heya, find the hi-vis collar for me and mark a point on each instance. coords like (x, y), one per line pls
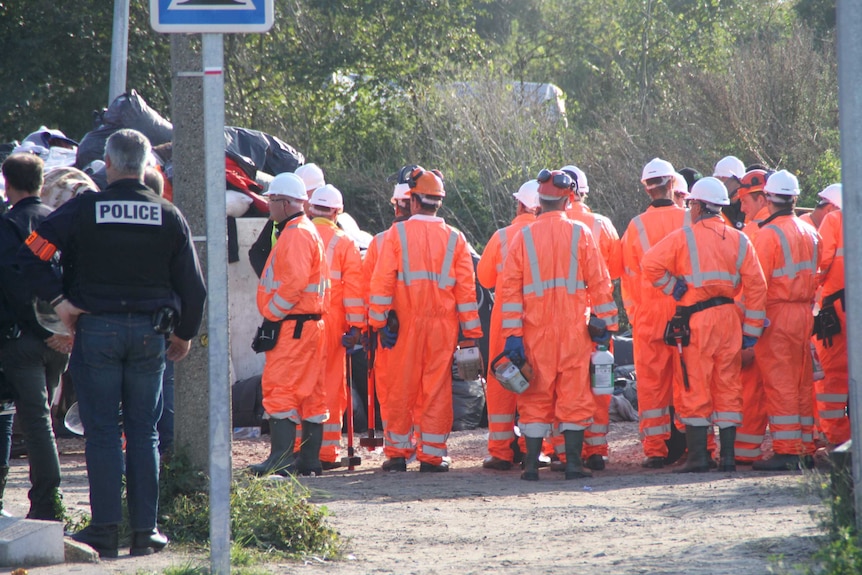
(128, 212)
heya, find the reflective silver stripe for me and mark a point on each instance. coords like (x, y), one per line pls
(445, 281)
(472, 324)
(267, 279)
(534, 264)
(550, 284)
(686, 219)
(727, 415)
(535, 429)
(330, 443)
(465, 307)
(832, 414)
(596, 440)
(330, 250)
(660, 412)
(274, 310)
(755, 452)
(332, 427)
(434, 437)
(694, 257)
(656, 430)
(784, 420)
(597, 229)
(560, 447)
(573, 285)
(401, 441)
(334, 275)
(752, 331)
(405, 257)
(740, 257)
(605, 308)
(292, 415)
(355, 318)
(832, 397)
(380, 300)
(354, 302)
(316, 418)
(504, 246)
(612, 319)
(312, 288)
(512, 323)
(807, 437)
(746, 438)
(790, 269)
(663, 283)
(642, 235)
(501, 418)
(754, 314)
(501, 435)
(807, 420)
(571, 427)
(794, 434)
(281, 302)
(512, 307)
(434, 451)
(696, 421)
(376, 316)
(839, 253)
(596, 428)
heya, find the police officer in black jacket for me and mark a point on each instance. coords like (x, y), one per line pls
(130, 275)
(33, 358)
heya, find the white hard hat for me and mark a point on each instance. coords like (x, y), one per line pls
(287, 184)
(580, 176)
(327, 196)
(680, 186)
(657, 168)
(312, 175)
(401, 192)
(729, 167)
(710, 190)
(528, 194)
(832, 194)
(782, 183)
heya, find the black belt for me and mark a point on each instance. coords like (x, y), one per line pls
(702, 305)
(832, 298)
(300, 319)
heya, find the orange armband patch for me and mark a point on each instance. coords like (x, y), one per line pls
(43, 249)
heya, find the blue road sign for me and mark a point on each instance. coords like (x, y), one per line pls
(211, 16)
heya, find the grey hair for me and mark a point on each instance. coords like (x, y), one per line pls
(129, 151)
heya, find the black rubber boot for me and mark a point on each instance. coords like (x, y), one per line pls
(698, 458)
(309, 453)
(595, 462)
(105, 539)
(531, 459)
(147, 543)
(281, 460)
(574, 446)
(778, 462)
(727, 455)
(394, 464)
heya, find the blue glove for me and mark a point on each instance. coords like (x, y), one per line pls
(602, 339)
(680, 288)
(387, 338)
(748, 341)
(351, 340)
(514, 350)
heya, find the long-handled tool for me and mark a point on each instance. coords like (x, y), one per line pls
(371, 442)
(678, 333)
(352, 460)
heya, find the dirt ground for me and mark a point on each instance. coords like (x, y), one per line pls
(624, 520)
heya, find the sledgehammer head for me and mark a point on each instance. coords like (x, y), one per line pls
(351, 461)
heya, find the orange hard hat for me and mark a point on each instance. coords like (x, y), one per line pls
(752, 181)
(426, 182)
(554, 185)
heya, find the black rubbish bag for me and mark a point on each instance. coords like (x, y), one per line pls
(247, 401)
(468, 404)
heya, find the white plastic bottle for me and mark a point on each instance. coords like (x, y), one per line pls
(602, 371)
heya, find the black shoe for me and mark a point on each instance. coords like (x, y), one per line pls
(653, 462)
(595, 462)
(329, 465)
(395, 464)
(558, 465)
(530, 475)
(778, 462)
(425, 467)
(496, 463)
(147, 543)
(105, 539)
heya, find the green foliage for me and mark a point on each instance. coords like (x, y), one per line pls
(827, 170)
(841, 556)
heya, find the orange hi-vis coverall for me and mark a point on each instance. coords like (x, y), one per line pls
(346, 310)
(831, 392)
(554, 273)
(425, 274)
(501, 402)
(294, 289)
(789, 253)
(608, 240)
(716, 261)
(649, 310)
(750, 435)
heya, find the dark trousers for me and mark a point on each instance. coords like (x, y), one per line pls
(34, 371)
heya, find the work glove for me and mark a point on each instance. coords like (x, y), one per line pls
(598, 330)
(351, 339)
(387, 337)
(514, 350)
(679, 288)
(602, 339)
(748, 341)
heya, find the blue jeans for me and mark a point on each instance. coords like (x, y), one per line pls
(166, 422)
(117, 362)
(6, 422)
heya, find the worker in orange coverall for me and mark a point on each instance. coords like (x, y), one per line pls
(703, 266)
(292, 296)
(544, 303)
(656, 364)
(789, 253)
(608, 240)
(749, 435)
(831, 392)
(502, 402)
(401, 205)
(345, 318)
(424, 275)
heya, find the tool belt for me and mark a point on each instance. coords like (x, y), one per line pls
(678, 330)
(826, 323)
(268, 332)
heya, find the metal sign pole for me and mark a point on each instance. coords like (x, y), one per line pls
(119, 50)
(850, 124)
(217, 318)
